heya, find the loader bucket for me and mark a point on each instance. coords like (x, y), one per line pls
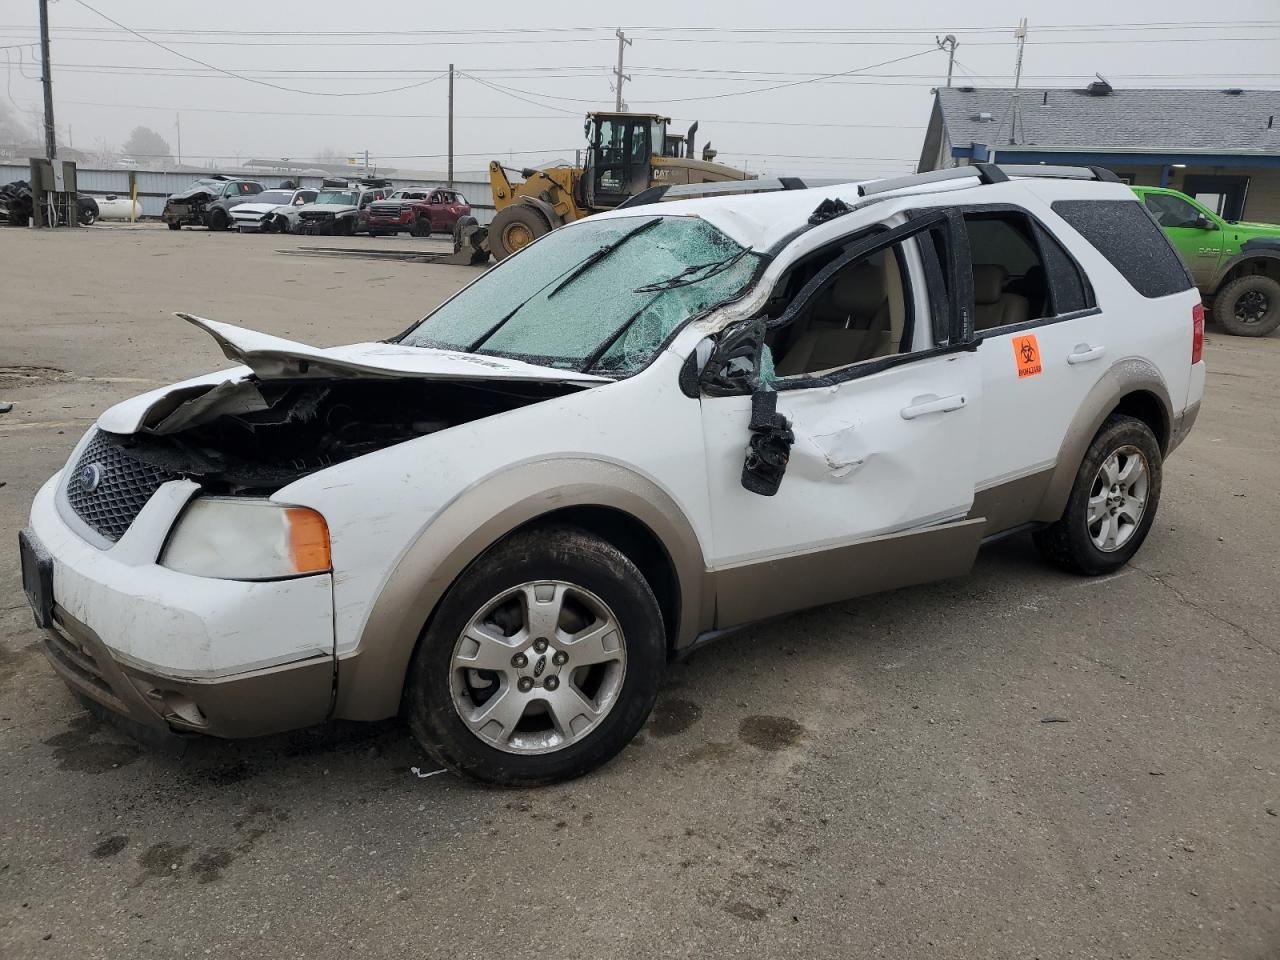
(470, 245)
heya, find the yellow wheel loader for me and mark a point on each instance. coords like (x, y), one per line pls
(627, 153)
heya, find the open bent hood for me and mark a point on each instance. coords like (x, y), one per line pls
(272, 359)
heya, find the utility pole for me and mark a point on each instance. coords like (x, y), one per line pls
(178, 119)
(50, 140)
(451, 126)
(619, 76)
(1021, 35)
(948, 43)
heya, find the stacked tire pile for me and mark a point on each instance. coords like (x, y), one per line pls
(15, 203)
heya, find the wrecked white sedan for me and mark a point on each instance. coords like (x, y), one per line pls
(648, 427)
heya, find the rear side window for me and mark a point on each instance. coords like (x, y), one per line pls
(1125, 234)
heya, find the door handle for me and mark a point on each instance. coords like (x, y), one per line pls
(931, 403)
(1083, 353)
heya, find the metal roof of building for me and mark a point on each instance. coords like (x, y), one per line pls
(1153, 120)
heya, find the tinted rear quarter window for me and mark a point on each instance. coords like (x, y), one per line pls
(1124, 233)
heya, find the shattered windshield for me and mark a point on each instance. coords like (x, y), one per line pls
(349, 199)
(277, 197)
(599, 296)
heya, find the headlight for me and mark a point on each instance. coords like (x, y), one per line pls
(233, 538)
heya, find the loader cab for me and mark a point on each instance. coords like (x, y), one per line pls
(620, 150)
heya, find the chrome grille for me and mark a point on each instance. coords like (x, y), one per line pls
(107, 488)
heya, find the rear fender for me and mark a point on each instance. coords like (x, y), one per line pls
(1127, 377)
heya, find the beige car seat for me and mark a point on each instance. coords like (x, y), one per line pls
(993, 306)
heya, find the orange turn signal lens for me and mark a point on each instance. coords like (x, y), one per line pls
(308, 540)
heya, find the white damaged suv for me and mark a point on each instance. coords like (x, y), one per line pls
(648, 427)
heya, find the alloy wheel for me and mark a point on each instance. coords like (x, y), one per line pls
(1118, 498)
(538, 668)
(1252, 306)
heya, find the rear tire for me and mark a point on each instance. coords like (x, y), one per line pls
(1112, 503)
(1248, 306)
(514, 228)
(545, 733)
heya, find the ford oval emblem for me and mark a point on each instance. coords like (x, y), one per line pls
(91, 477)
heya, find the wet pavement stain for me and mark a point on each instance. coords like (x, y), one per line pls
(673, 716)
(78, 749)
(744, 911)
(770, 733)
(161, 860)
(110, 847)
(210, 864)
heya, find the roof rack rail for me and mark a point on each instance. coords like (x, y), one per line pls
(684, 191)
(1060, 172)
(986, 173)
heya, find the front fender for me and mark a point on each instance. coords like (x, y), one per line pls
(371, 677)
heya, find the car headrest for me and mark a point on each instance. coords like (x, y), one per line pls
(988, 282)
(858, 291)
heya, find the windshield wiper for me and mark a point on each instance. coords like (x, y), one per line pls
(600, 254)
(684, 278)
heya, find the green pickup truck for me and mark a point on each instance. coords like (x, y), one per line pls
(1235, 265)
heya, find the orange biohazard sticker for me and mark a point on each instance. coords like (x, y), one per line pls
(1026, 353)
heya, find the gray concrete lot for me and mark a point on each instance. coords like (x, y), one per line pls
(871, 779)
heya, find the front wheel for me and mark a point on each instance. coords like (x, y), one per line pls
(540, 664)
(514, 228)
(218, 220)
(1249, 306)
(174, 226)
(1112, 503)
(421, 228)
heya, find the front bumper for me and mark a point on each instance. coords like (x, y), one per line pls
(170, 650)
(391, 223)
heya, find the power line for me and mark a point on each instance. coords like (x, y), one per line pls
(264, 83)
(607, 33)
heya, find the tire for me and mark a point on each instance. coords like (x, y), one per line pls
(345, 228)
(421, 228)
(464, 221)
(514, 228)
(1072, 542)
(1248, 306)
(174, 226)
(534, 748)
(218, 220)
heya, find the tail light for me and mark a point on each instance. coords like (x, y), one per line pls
(1197, 332)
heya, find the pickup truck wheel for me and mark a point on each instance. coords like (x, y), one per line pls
(1112, 502)
(421, 228)
(1248, 306)
(540, 664)
(174, 226)
(514, 228)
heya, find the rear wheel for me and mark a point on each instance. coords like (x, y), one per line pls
(540, 664)
(1112, 503)
(514, 228)
(1249, 306)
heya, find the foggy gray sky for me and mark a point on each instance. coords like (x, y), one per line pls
(106, 82)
